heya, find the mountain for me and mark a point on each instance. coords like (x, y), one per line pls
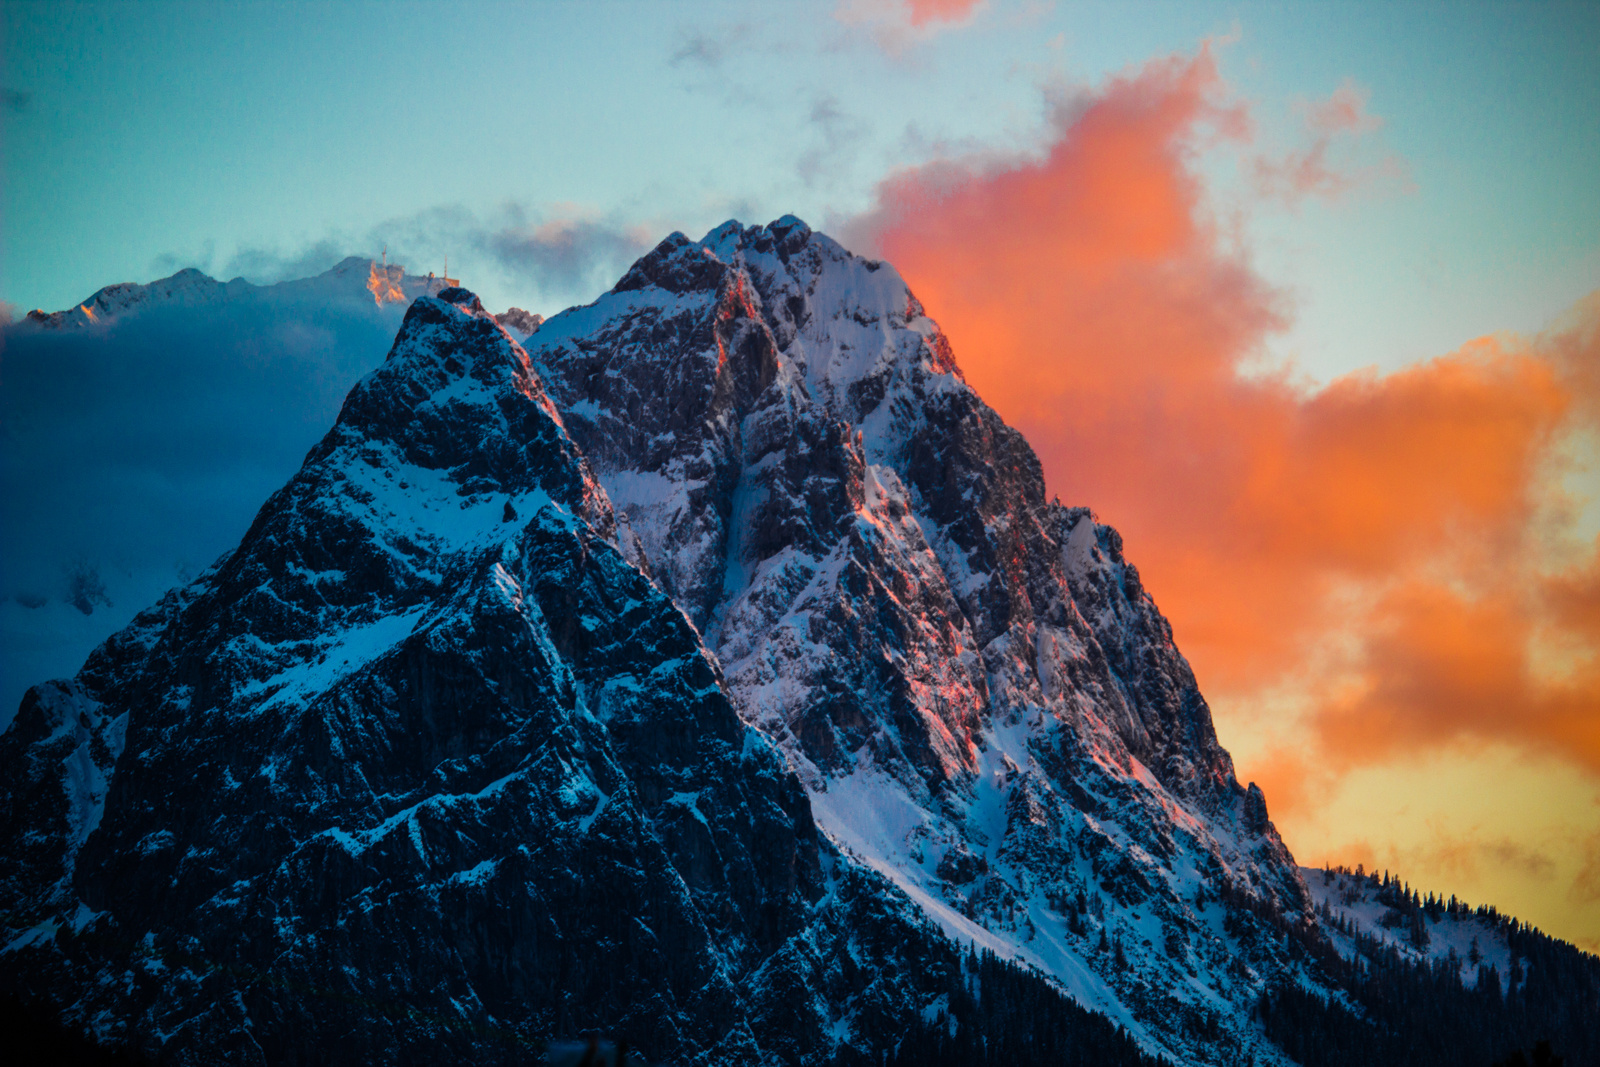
(704, 666)
(982, 699)
(187, 288)
(352, 278)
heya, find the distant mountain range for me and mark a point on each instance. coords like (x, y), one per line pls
(706, 667)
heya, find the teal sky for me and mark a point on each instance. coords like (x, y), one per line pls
(266, 138)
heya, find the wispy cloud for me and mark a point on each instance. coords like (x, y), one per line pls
(266, 265)
(204, 258)
(1333, 163)
(564, 250)
(835, 135)
(1586, 886)
(708, 48)
(1456, 858)
(548, 256)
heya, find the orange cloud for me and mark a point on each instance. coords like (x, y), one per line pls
(1380, 535)
(1345, 111)
(894, 24)
(1443, 664)
(1334, 124)
(923, 12)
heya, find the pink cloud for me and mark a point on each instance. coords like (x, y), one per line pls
(896, 24)
(1331, 165)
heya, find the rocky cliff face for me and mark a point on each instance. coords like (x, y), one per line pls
(971, 680)
(706, 672)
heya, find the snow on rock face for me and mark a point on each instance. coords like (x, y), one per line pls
(60, 749)
(972, 682)
(425, 770)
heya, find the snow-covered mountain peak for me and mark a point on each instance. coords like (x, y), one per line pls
(982, 700)
(972, 681)
(348, 281)
(815, 290)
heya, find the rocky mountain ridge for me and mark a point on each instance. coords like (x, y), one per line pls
(352, 278)
(981, 698)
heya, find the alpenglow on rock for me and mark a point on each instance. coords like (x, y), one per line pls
(426, 771)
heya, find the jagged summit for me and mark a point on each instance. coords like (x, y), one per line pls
(522, 323)
(790, 367)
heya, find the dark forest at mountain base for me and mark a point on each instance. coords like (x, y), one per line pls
(1003, 1014)
(1423, 1014)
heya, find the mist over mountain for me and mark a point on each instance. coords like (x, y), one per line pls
(704, 666)
(140, 431)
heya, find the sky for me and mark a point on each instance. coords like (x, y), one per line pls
(1300, 297)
